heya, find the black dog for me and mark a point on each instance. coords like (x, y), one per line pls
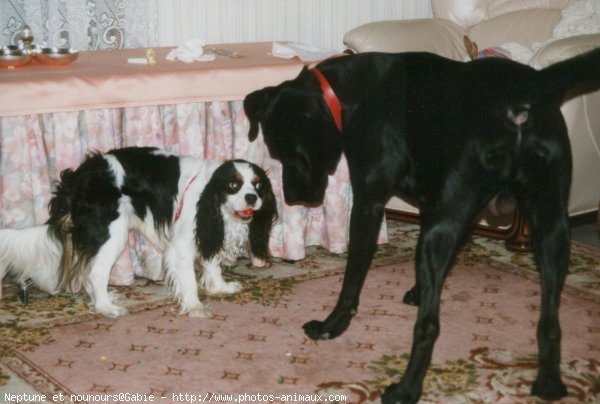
(449, 135)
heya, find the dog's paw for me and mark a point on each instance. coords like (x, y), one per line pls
(225, 288)
(232, 287)
(549, 389)
(200, 311)
(411, 297)
(398, 394)
(111, 310)
(315, 330)
(328, 329)
(259, 262)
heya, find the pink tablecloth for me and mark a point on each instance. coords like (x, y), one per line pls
(104, 79)
(51, 117)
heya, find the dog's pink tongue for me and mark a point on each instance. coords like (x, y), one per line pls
(246, 213)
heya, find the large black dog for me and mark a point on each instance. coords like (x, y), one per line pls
(449, 135)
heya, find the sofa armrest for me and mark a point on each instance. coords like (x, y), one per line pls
(562, 49)
(438, 36)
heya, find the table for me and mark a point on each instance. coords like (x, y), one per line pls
(50, 117)
(104, 79)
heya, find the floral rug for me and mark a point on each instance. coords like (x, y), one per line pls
(254, 344)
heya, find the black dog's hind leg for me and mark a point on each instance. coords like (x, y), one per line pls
(551, 249)
(548, 217)
(542, 193)
(442, 233)
(365, 222)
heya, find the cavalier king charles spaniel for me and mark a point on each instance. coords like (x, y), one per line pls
(189, 209)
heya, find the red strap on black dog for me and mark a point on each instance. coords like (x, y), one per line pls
(332, 101)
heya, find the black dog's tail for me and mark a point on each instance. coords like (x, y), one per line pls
(580, 74)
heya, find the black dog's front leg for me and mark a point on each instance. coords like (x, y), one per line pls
(365, 222)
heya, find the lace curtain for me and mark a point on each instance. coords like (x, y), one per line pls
(81, 24)
(114, 24)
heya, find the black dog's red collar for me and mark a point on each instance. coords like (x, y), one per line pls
(332, 101)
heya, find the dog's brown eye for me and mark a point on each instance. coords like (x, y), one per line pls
(234, 185)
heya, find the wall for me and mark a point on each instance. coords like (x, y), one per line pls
(314, 22)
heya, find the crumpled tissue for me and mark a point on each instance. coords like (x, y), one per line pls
(192, 50)
(307, 53)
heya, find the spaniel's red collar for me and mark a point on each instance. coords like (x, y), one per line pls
(332, 101)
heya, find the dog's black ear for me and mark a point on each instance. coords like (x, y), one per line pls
(210, 226)
(254, 107)
(262, 222)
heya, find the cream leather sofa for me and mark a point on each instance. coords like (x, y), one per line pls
(491, 23)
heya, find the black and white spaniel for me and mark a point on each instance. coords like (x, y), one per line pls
(187, 208)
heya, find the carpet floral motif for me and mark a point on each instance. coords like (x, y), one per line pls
(41, 307)
(454, 377)
(505, 377)
(511, 377)
(263, 291)
(15, 336)
(4, 377)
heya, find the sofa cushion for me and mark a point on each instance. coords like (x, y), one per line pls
(442, 37)
(499, 7)
(467, 13)
(464, 13)
(524, 27)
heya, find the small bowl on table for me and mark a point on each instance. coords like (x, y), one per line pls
(12, 56)
(55, 56)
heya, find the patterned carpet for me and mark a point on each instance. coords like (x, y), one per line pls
(486, 352)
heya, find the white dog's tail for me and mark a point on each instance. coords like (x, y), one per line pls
(31, 253)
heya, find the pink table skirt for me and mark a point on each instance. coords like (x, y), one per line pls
(51, 117)
(35, 148)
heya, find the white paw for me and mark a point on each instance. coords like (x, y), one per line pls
(225, 288)
(258, 262)
(199, 311)
(111, 310)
